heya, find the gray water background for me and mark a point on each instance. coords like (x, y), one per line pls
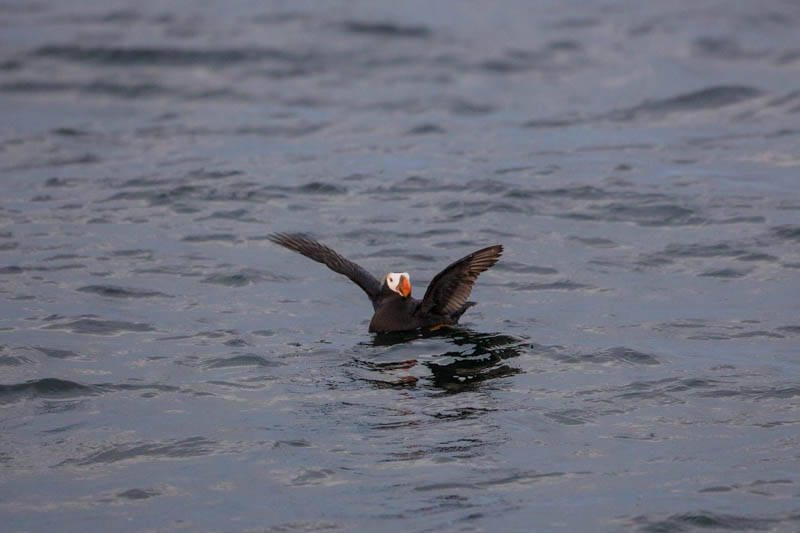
(633, 360)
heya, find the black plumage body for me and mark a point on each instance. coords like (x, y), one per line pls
(445, 299)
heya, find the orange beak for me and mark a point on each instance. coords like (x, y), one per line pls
(404, 286)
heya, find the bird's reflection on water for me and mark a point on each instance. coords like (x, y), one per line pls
(457, 359)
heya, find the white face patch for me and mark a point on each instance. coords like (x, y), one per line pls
(393, 278)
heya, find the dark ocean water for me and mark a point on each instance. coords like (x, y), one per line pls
(634, 360)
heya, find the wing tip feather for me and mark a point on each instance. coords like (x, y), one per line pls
(292, 241)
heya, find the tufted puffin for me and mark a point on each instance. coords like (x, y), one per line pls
(395, 310)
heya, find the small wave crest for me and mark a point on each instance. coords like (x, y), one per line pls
(114, 291)
(45, 388)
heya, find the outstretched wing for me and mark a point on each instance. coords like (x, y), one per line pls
(449, 290)
(322, 254)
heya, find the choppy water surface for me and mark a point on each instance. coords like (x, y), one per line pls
(633, 360)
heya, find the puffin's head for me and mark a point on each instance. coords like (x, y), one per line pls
(399, 283)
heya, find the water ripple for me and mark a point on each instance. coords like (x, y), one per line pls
(115, 291)
(99, 326)
(172, 57)
(709, 520)
(45, 388)
(183, 448)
